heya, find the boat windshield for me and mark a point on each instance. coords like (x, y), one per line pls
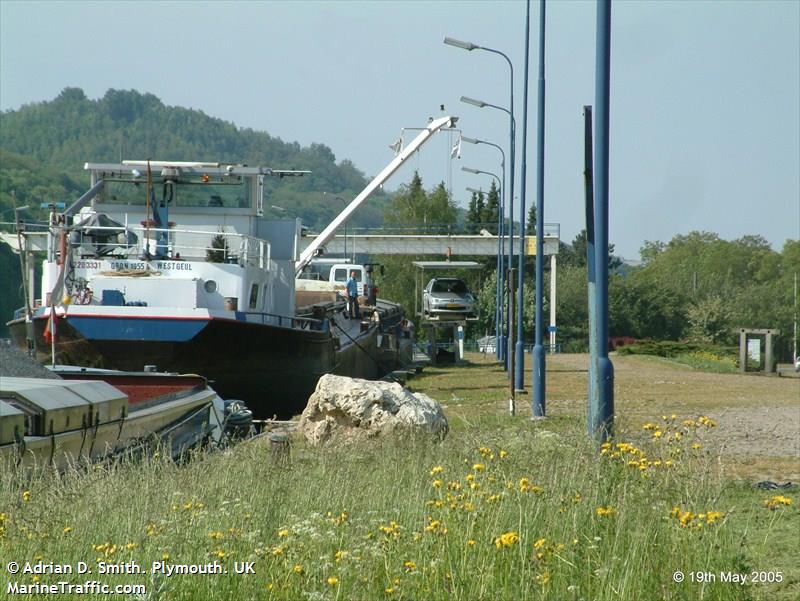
(235, 195)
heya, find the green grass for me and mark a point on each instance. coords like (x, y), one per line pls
(708, 361)
(503, 508)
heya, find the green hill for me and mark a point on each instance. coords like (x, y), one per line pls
(57, 137)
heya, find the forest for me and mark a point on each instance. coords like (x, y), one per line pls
(696, 288)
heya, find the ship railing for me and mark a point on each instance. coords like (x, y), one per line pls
(286, 321)
(186, 244)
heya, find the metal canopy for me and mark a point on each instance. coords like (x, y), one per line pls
(446, 265)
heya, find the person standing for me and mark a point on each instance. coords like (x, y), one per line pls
(351, 285)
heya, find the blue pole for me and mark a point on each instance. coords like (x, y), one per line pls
(519, 363)
(601, 413)
(592, 276)
(510, 201)
(501, 339)
(538, 376)
(498, 309)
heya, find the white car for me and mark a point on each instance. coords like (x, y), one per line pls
(447, 297)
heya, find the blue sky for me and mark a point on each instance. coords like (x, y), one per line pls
(705, 106)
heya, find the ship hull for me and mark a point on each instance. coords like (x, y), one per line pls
(273, 369)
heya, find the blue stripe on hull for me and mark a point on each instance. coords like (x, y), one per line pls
(120, 328)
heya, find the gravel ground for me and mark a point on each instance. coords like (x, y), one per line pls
(16, 364)
(758, 417)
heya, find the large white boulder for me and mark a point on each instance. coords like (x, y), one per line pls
(344, 408)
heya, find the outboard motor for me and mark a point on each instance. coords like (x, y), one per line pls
(238, 420)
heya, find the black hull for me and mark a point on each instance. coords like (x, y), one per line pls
(274, 370)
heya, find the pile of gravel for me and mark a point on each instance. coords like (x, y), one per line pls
(14, 363)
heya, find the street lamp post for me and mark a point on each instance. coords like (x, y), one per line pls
(499, 340)
(482, 104)
(498, 298)
(469, 46)
(538, 359)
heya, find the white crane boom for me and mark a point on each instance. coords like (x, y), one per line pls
(328, 232)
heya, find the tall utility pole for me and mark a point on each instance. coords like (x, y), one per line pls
(538, 379)
(519, 364)
(601, 405)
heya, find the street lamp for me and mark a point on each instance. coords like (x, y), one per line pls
(498, 321)
(499, 351)
(470, 46)
(498, 299)
(482, 104)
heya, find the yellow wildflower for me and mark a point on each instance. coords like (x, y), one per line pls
(605, 511)
(507, 539)
(333, 580)
(777, 501)
(543, 578)
(283, 533)
(298, 569)
(26, 495)
(478, 467)
(410, 566)
(436, 483)
(436, 470)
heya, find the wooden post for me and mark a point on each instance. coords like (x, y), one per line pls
(742, 350)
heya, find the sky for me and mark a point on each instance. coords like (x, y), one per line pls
(705, 96)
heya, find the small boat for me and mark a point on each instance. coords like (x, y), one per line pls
(89, 415)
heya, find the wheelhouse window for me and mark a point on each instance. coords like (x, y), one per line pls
(253, 296)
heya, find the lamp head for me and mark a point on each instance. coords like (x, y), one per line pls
(460, 44)
(469, 140)
(472, 101)
(470, 170)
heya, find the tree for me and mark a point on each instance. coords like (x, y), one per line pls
(409, 207)
(709, 320)
(491, 211)
(650, 250)
(443, 210)
(530, 226)
(475, 213)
